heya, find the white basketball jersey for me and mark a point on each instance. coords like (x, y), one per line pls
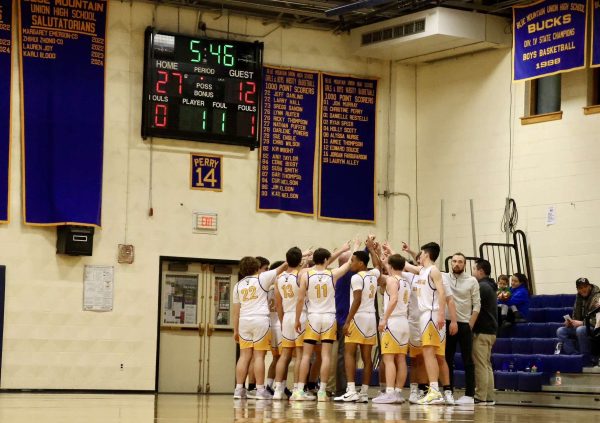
(404, 291)
(287, 284)
(367, 281)
(426, 291)
(413, 300)
(252, 294)
(320, 292)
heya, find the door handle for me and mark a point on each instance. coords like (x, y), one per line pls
(201, 329)
(210, 329)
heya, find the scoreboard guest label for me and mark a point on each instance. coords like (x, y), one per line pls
(5, 71)
(206, 172)
(201, 89)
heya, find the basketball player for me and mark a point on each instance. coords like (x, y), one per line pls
(360, 328)
(275, 332)
(317, 287)
(286, 295)
(251, 323)
(432, 302)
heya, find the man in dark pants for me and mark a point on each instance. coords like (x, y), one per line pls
(342, 306)
(465, 290)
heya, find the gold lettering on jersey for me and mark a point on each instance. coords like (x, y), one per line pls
(321, 290)
(249, 294)
(287, 291)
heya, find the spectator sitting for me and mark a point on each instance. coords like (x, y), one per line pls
(588, 296)
(503, 289)
(516, 308)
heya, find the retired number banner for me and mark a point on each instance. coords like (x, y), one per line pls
(595, 33)
(549, 37)
(63, 47)
(5, 84)
(347, 185)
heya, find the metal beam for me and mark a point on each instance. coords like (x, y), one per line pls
(352, 7)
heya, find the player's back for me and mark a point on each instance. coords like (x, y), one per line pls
(253, 298)
(367, 281)
(320, 292)
(287, 284)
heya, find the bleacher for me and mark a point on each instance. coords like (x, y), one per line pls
(530, 344)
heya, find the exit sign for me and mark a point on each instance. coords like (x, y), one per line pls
(205, 222)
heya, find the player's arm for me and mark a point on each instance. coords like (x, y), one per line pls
(392, 290)
(278, 303)
(371, 247)
(406, 249)
(413, 269)
(356, 300)
(343, 269)
(436, 276)
(236, 314)
(300, 300)
(453, 329)
(337, 253)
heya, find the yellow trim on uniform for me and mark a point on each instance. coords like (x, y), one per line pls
(263, 344)
(431, 338)
(389, 344)
(414, 351)
(312, 335)
(357, 337)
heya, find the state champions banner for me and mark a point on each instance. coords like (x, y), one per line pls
(347, 153)
(5, 91)
(595, 33)
(62, 55)
(549, 37)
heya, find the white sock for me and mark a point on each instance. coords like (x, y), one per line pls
(278, 386)
(322, 386)
(351, 387)
(398, 390)
(434, 385)
(300, 386)
(260, 388)
(389, 390)
(295, 386)
(414, 387)
(364, 389)
(239, 386)
(270, 382)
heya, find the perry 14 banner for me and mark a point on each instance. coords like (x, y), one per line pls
(62, 61)
(548, 38)
(595, 33)
(5, 84)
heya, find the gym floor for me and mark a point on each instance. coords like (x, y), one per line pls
(126, 408)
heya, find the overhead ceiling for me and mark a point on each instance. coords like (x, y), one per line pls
(339, 15)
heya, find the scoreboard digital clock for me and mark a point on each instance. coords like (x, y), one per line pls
(201, 89)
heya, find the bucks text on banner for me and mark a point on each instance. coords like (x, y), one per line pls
(62, 63)
(5, 81)
(595, 33)
(548, 37)
(347, 186)
(287, 152)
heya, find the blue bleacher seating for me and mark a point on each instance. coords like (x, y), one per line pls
(502, 346)
(521, 346)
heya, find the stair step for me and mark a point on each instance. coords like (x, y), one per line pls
(591, 370)
(581, 379)
(583, 389)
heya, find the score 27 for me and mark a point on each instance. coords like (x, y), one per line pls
(206, 172)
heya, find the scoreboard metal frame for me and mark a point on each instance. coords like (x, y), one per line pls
(215, 99)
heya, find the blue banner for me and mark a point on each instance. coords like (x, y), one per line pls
(5, 84)
(549, 37)
(287, 151)
(206, 172)
(595, 33)
(347, 186)
(62, 63)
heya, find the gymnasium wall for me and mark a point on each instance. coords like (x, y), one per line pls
(463, 137)
(49, 342)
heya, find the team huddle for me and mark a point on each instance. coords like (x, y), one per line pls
(303, 322)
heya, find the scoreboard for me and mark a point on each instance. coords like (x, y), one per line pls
(201, 89)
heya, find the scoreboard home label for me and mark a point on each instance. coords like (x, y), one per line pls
(201, 89)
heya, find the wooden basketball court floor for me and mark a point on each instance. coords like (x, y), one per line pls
(127, 408)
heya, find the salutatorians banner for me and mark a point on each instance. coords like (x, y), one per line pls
(347, 159)
(595, 33)
(289, 132)
(549, 37)
(63, 48)
(5, 84)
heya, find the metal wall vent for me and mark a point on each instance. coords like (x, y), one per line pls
(393, 32)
